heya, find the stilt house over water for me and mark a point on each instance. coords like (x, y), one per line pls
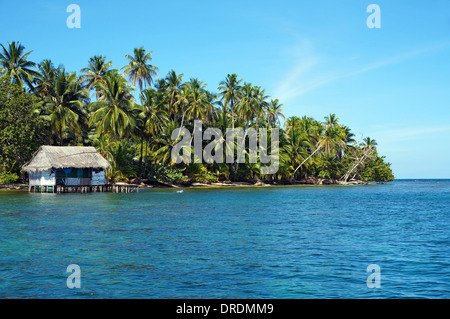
(62, 168)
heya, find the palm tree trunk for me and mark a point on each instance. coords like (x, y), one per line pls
(239, 147)
(358, 162)
(60, 135)
(232, 114)
(146, 150)
(181, 126)
(317, 149)
(140, 157)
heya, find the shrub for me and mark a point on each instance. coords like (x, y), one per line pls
(8, 178)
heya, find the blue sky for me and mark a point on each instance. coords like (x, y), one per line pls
(316, 57)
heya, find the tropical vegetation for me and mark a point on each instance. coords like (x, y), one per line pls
(41, 103)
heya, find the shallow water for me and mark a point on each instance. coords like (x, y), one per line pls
(271, 242)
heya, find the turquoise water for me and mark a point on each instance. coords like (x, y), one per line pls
(272, 242)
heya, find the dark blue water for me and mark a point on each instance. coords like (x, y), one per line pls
(271, 242)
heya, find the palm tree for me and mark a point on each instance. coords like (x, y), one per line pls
(333, 138)
(14, 65)
(370, 143)
(153, 115)
(64, 106)
(45, 81)
(173, 84)
(113, 112)
(299, 139)
(331, 120)
(247, 105)
(229, 91)
(103, 145)
(365, 151)
(181, 104)
(262, 105)
(95, 72)
(274, 112)
(349, 136)
(197, 97)
(139, 70)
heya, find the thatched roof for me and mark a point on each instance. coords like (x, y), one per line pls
(48, 157)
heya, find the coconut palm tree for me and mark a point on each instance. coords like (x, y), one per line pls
(14, 65)
(333, 138)
(173, 83)
(370, 143)
(331, 120)
(95, 72)
(274, 112)
(153, 115)
(229, 92)
(245, 109)
(163, 143)
(64, 106)
(361, 154)
(45, 81)
(262, 105)
(299, 139)
(199, 103)
(113, 112)
(139, 70)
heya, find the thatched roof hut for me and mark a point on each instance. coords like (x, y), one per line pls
(62, 169)
(59, 157)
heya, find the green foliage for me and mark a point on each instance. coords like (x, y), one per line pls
(324, 174)
(377, 170)
(19, 127)
(14, 64)
(137, 138)
(8, 178)
(123, 166)
(204, 176)
(166, 173)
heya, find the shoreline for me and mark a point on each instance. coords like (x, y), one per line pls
(304, 182)
(156, 184)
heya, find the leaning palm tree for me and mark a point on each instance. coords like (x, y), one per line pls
(113, 112)
(64, 106)
(139, 70)
(95, 72)
(332, 139)
(364, 152)
(14, 65)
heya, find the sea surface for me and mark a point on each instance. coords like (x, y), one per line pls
(267, 242)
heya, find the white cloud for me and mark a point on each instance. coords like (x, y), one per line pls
(307, 74)
(403, 134)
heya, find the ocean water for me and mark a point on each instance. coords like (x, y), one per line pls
(271, 242)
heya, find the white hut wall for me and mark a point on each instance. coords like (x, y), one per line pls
(42, 178)
(98, 178)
